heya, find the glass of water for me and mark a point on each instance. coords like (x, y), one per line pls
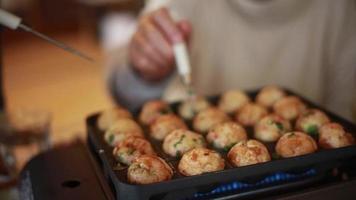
(23, 134)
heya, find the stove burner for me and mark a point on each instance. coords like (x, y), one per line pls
(237, 186)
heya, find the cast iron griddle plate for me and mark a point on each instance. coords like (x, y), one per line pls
(189, 185)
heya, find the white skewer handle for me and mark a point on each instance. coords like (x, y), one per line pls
(9, 20)
(182, 58)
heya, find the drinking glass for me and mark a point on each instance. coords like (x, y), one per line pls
(23, 134)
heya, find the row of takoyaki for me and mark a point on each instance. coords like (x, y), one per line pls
(132, 149)
(234, 102)
(246, 112)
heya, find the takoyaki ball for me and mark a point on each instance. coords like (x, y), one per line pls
(271, 127)
(121, 129)
(153, 109)
(208, 118)
(248, 152)
(114, 138)
(269, 95)
(310, 121)
(250, 114)
(200, 160)
(225, 135)
(180, 141)
(189, 108)
(295, 144)
(289, 107)
(148, 169)
(333, 135)
(108, 117)
(232, 101)
(165, 124)
(131, 148)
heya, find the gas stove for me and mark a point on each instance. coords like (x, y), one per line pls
(72, 173)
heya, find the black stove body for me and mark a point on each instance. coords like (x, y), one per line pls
(71, 173)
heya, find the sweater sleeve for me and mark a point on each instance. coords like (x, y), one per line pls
(126, 87)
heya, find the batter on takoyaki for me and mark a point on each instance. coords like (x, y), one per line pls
(295, 144)
(190, 107)
(250, 114)
(148, 169)
(269, 95)
(310, 121)
(289, 107)
(208, 118)
(271, 127)
(121, 129)
(153, 109)
(200, 160)
(180, 141)
(131, 148)
(248, 152)
(109, 116)
(225, 135)
(164, 125)
(333, 135)
(232, 100)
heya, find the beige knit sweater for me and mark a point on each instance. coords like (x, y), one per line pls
(308, 46)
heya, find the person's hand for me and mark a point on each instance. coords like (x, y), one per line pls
(150, 49)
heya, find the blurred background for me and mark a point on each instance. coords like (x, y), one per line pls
(39, 75)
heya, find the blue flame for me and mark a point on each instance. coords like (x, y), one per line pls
(237, 186)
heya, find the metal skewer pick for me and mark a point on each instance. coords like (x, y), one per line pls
(13, 22)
